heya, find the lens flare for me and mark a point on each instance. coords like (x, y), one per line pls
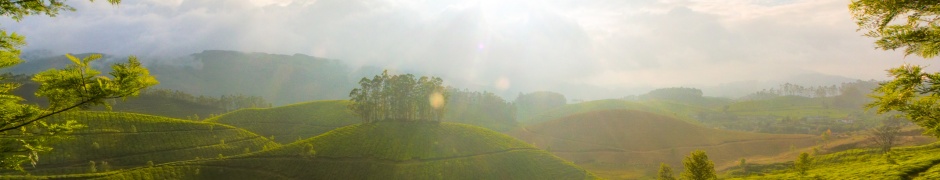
(502, 83)
(437, 100)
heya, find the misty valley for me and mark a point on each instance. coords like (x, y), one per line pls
(469, 90)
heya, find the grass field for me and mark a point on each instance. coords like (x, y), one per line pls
(290, 123)
(125, 140)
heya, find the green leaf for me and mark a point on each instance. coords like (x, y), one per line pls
(73, 59)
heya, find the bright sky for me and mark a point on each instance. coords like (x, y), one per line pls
(508, 45)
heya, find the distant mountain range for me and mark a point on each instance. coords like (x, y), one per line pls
(287, 79)
(281, 79)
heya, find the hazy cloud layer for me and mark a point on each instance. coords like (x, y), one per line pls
(593, 49)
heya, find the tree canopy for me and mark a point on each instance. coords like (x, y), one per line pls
(917, 33)
(399, 98)
(913, 26)
(698, 167)
(77, 86)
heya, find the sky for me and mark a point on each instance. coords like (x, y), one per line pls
(583, 48)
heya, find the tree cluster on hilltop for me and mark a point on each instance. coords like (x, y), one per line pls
(399, 98)
(480, 108)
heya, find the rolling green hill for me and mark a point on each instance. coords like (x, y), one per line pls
(385, 150)
(918, 162)
(293, 122)
(630, 139)
(676, 110)
(792, 114)
(126, 140)
(795, 106)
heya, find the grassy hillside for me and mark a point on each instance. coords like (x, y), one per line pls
(674, 109)
(795, 106)
(629, 139)
(293, 122)
(919, 162)
(792, 114)
(126, 140)
(386, 150)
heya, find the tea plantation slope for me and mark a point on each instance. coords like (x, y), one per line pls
(124, 140)
(290, 123)
(630, 138)
(673, 109)
(387, 150)
(917, 162)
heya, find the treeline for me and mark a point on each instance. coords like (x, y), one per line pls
(399, 98)
(225, 102)
(788, 89)
(850, 89)
(480, 108)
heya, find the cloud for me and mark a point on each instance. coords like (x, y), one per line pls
(526, 45)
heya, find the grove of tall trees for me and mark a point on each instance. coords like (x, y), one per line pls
(480, 108)
(399, 98)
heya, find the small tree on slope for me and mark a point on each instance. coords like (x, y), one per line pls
(803, 163)
(665, 172)
(886, 135)
(698, 167)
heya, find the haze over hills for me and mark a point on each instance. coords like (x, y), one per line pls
(287, 79)
(632, 139)
(469, 89)
(741, 88)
